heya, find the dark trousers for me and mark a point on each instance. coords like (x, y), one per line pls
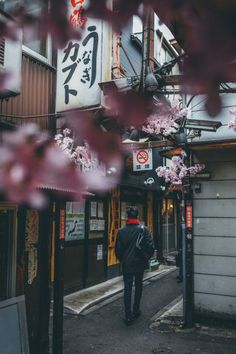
(128, 284)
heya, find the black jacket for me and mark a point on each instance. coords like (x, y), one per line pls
(125, 248)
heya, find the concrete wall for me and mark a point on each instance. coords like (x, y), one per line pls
(133, 51)
(197, 111)
(215, 236)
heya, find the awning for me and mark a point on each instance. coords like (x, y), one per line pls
(62, 189)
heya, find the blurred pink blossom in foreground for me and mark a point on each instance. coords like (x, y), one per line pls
(29, 160)
(96, 176)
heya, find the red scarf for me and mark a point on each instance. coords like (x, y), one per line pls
(132, 221)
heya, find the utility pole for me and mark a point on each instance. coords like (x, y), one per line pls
(147, 48)
(187, 248)
(58, 289)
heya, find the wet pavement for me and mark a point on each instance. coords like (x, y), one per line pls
(82, 300)
(100, 329)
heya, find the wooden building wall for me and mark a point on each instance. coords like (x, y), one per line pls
(36, 102)
(214, 217)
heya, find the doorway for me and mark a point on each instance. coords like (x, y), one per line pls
(7, 253)
(96, 242)
(169, 227)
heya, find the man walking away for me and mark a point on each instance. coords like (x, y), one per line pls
(133, 263)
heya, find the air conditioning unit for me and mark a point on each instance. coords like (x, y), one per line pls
(10, 62)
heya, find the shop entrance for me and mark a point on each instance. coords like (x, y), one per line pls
(7, 253)
(96, 259)
(85, 244)
(169, 227)
(74, 267)
(133, 198)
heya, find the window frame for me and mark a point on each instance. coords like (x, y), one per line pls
(44, 59)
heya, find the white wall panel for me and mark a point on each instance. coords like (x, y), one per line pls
(215, 265)
(214, 226)
(210, 189)
(219, 285)
(217, 246)
(215, 208)
(215, 304)
(198, 112)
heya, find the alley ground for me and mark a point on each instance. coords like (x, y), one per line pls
(102, 331)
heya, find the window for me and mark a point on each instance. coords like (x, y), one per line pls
(137, 27)
(33, 42)
(97, 219)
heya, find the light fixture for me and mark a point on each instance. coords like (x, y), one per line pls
(121, 85)
(201, 124)
(181, 137)
(197, 187)
(150, 82)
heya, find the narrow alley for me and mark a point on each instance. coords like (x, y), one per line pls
(102, 330)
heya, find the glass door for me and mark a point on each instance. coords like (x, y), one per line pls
(169, 227)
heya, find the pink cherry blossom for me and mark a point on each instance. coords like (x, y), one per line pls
(29, 160)
(96, 176)
(105, 142)
(232, 124)
(177, 171)
(80, 155)
(163, 120)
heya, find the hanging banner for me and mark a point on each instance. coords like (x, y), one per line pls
(79, 64)
(62, 224)
(189, 216)
(142, 160)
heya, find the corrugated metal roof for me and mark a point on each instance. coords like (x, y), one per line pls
(62, 189)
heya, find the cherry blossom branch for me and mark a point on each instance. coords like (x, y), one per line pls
(232, 124)
(177, 171)
(163, 120)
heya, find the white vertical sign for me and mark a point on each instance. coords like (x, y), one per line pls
(79, 64)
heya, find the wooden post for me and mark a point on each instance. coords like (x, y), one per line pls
(58, 294)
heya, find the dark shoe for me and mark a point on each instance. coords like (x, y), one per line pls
(128, 321)
(136, 315)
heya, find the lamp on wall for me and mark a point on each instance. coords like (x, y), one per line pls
(181, 137)
(197, 187)
(150, 82)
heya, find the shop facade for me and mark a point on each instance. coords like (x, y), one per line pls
(85, 243)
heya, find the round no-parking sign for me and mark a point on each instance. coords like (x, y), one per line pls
(142, 160)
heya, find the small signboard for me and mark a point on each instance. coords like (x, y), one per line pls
(13, 326)
(189, 216)
(75, 216)
(83, 63)
(142, 160)
(62, 224)
(99, 252)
